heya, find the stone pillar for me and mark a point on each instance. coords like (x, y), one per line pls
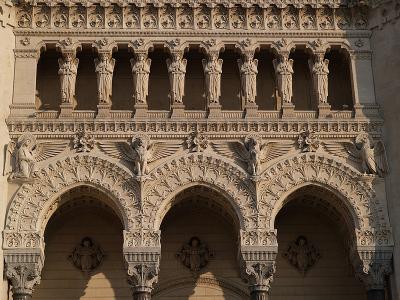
(68, 70)
(141, 73)
(258, 252)
(177, 71)
(104, 68)
(25, 70)
(284, 70)
(23, 271)
(212, 67)
(319, 71)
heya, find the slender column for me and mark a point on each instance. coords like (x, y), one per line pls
(177, 71)
(25, 69)
(104, 69)
(284, 71)
(68, 69)
(212, 67)
(319, 70)
(141, 73)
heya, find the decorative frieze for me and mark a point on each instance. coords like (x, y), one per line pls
(198, 16)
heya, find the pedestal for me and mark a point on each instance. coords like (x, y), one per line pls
(214, 111)
(66, 110)
(178, 110)
(251, 110)
(288, 110)
(22, 110)
(103, 110)
(140, 111)
(324, 109)
(376, 295)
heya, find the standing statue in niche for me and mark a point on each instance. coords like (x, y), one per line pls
(68, 69)
(302, 255)
(194, 255)
(104, 69)
(284, 71)
(87, 256)
(320, 71)
(248, 68)
(177, 71)
(141, 73)
(212, 67)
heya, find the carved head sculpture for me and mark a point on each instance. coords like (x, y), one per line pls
(139, 142)
(27, 140)
(363, 140)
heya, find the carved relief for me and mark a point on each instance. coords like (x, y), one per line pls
(87, 256)
(114, 16)
(78, 16)
(185, 17)
(60, 17)
(96, 17)
(83, 142)
(150, 17)
(308, 141)
(194, 255)
(167, 17)
(221, 17)
(256, 17)
(42, 16)
(325, 18)
(132, 17)
(302, 255)
(203, 17)
(238, 17)
(369, 154)
(291, 17)
(197, 142)
(343, 18)
(273, 18)
(24, 16)
(308, 18)
(23, 277)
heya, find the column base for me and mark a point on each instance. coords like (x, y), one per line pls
(103, 110)
(324, 109)
(376, 295)
(214, 111)
(178, 110)
(288, 110)
(22, 297)
(366, 111)
(259, 295)
(66, 110)
(251, 110)
(140, 111)
(22, 110)
(141, 296)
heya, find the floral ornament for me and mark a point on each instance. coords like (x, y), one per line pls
(197, 142)
(308, 141)
(83, 142)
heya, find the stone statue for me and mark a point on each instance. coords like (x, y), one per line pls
(68, 69)
(197, 142)
(87, 256)
(83, 142)
(308, 141)
(177, 71)
(252, 152)
(302, 255)
(248, 68)
(320, 71)
(104, 69)
(284, 71)
(141, 73)
(194, 255)
(141, 152)
(371, 156)
(212, 67)
(23, 155)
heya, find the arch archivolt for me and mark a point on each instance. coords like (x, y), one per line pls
(35, 202)
(168, 180)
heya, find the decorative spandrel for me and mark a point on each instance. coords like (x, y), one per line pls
(87, 255)
(302, 255)
(195, 255)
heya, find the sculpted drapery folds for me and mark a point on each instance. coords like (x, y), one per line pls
(68, 69)
(212, 67)
(177, 71)
(248, 68)
(319, 69)
(284, 70)
(104, 69)
(141, 73)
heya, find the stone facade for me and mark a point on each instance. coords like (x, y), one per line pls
(249, 111)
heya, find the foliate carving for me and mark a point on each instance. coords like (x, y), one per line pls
(114, 16)
(60, 16)
(194, 255)
(42, 16)
(325, 18)
(319, 68)
(24, 16)
(104, 69)
(78, 16)
(212, 67)
(221, 17)
(150, 17)
(203, 17)
(83, 142)
(308, 141)
(96, 16)
(185, 18)
(24, 276)
(343, 18)
(238, 17)
(371, 237)
(273, 18)
(140, 152)
(260, 275)
(291, 17)
(177, 70)
(141, 74)
(132, 17)
(142, 238)
(258, 237)
(68, 69)
(167, 17)
(308, 18)
(23, 155)
(302, 255)
(21, 239)
(87, 255)
(197, 142)
(256, 17)
(253, 152)
(369, 154)
(284, 70)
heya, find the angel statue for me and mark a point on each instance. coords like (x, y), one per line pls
(141, 151)
(371, 156)
(23, 155)
(87, 256)
(252, 152)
